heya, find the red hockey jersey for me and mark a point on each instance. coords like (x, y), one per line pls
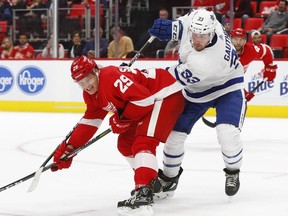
(129, 91)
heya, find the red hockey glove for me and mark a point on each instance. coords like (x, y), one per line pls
(119, 126)
(270, 72)
(62, 150)
(248, 95)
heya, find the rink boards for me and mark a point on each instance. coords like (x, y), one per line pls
(46, 86)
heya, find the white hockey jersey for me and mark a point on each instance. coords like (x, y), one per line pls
(210, 73)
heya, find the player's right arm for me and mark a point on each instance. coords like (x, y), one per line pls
(86, 128)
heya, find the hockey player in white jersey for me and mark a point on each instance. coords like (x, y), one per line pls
(212, 76)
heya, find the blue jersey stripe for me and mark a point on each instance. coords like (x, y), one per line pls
(215, 88)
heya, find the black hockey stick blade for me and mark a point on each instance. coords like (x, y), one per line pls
(208, 123)
(213, 124)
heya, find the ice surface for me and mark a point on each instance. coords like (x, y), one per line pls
(100, 177)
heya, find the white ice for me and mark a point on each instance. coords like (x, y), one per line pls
(100, 177)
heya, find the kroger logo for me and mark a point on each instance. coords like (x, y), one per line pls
(31, 80)
(6, 80)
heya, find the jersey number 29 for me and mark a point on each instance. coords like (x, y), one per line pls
(123, 83)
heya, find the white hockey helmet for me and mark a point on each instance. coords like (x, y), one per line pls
(203, 22)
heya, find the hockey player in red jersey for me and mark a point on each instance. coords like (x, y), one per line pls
(247, 52)
(144, 113)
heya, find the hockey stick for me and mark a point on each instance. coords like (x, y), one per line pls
(213, 124)
(150, 40)
(71, 154)
(40, 169)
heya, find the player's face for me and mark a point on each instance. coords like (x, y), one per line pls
(200, 41)
(238, 43)
(89, 83)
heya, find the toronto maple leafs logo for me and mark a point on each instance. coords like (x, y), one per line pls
(212, 17)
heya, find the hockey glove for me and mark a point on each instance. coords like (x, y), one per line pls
(61, 152)
(123, 64)
(118, 125)
(166, 30)
(270, 72)
(248, 95)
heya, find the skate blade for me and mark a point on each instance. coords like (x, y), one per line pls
(162, 195)
(145, 210)
(230, 199)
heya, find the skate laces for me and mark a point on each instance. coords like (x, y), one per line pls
(231, 180)
(132, 199)
(167, 185)
(139, 195)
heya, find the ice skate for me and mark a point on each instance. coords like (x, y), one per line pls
(232, 183)
(139, 204)
(164, 186)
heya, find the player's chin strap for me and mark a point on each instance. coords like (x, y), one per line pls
(213, 124)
